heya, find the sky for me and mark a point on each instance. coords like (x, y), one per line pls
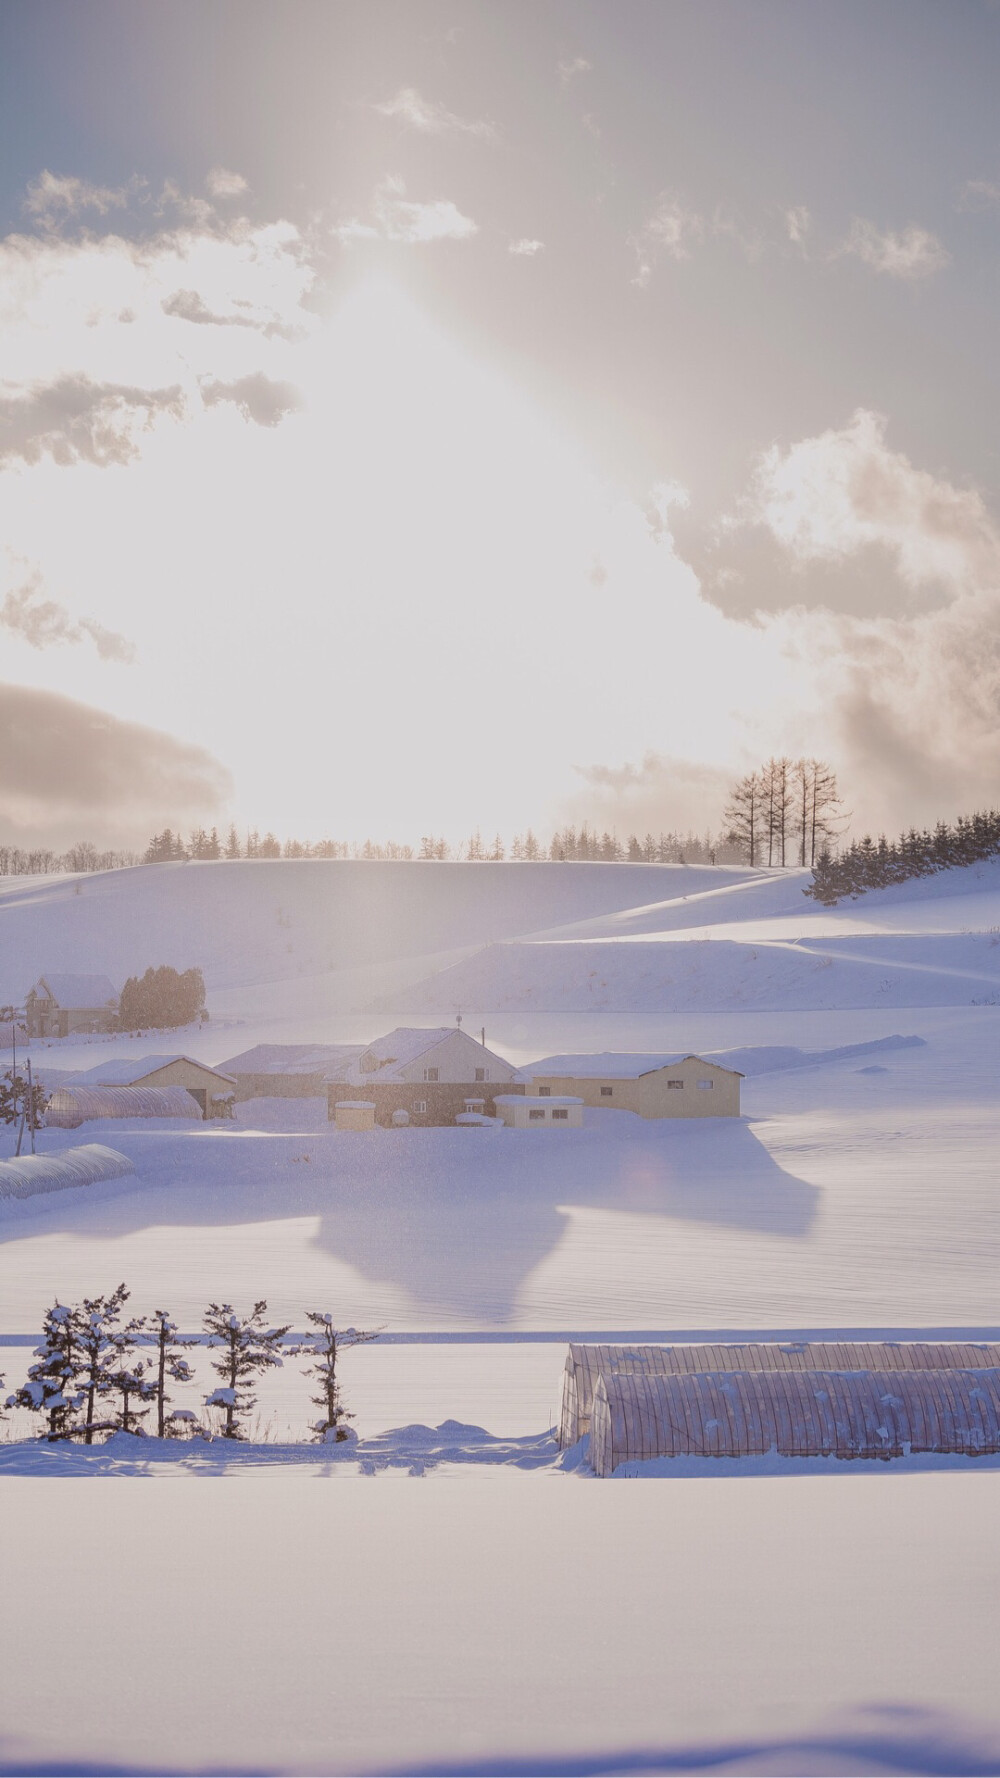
(422, 415)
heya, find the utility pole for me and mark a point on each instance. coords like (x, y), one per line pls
(31, 1107)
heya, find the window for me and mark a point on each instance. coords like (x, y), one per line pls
(430, 1074)
(545, 1092)
(705, 1086)
(606, 1092)
(482, 1074)
(556, 1112)
(421, 1105)
(536, 1117)
(675, 1083)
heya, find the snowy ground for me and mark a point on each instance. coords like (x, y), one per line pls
(508, 1611)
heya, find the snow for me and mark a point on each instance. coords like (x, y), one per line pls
(513, 1608)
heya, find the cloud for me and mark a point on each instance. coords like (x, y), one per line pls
(569, 69)
(258, 398)
(979, 194)
(672, 229)
(525, 248)
(53, 197)
(42, 623)
(188, 305)
(431, 119)
(69, 767)
(662, 794)
(826, 498)
(77, 421)
(913, 252)
(797, 224)
(221, 183)
(397, 218)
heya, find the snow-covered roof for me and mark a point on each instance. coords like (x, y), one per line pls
(125, 1071)
(613, 1065)
(34, 1173)
(291, 1058)
(399, 1049)
(79, 993)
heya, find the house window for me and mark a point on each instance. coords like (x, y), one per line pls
(675, 1083)
(705, 1086)
(482, 1074)
(560, 1114)
(536, 1117)
(606, 1092)
(420, 1106)
(430, 1074)
(545, 1092)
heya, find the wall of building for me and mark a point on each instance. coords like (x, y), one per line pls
(456, 1059)
(442, 1100)
(650, 1095)
(282, 1086)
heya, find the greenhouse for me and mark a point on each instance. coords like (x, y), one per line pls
(71, 1106)
(31, 1174)
(845, 1414)
(584, 1364)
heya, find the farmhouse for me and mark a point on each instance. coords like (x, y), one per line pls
(846, 1414)
(288, 1070)
(585, 1364)
(651, 1086)
(59, 1005)
(423, 1076)
(212, 1090)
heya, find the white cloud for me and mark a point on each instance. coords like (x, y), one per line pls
(797, 223)
(569, 69)
(42, 623)
(432, 119)
(672, 229)
(54, 197)
(221, 183)
(525, 248)
(979, 194)
(912, 252)
(398, 218)
(825, 498)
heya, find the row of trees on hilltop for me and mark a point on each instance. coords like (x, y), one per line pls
(875, 864)
(786, 812)
(97, 1373)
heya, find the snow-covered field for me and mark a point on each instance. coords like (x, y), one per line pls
(510, 1614)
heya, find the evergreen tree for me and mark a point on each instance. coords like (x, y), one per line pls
(233, 843)
(246, 1348)
(162, 999)
(103, 1346)
(325, 1344)
(169, 1363)
(53, 1387)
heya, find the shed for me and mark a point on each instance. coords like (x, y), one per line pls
(846, 1414)
(212, 1090)
(288, 1070)
(559, 1112)
(354, 1114)
(59, 1005)
(71, 1106)
(32, 1174)
(651, 1086)
(584, 1364)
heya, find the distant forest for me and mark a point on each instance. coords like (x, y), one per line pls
(875, 864)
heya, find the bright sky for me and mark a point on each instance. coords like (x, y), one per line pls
(425, 415)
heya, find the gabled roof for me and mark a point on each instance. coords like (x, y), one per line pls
(614, 1065)
(79, 993)
(291, 1058)
(399, 1049)
(125, 1071)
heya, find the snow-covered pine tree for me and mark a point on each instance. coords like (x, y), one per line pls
(52, 1387)
(325, 1345)
(104, 1346)
(169, 1362)
(137, 1387)
(246, 1348)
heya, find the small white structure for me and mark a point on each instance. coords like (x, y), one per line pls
(354, 1114)
(31, 1174)
(560, 1111)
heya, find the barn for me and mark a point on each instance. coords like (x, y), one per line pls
(585, 1364)
(844, 1414)
(59, 1005)
(651, 1086)
(288, 1070)
(212, 1090)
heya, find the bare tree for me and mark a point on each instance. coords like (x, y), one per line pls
(744, 815)
(325, 1344)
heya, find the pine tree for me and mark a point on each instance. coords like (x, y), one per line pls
(170, 1362)
(53, 1385)
(103, 1345)
(326, 1345)
(246, 1348)
(232, 843)
(131, 1380)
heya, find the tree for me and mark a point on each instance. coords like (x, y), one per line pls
(21, 1102)
(170, 1362)
(131, 1380)
(269, 847)
(326, 1345)
(162, 999)
(743, 814)
(52, 1387)
(246, 1349)
(103, 1346)
(232, 843)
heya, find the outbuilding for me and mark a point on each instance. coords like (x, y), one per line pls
(71, 1106)
(652, 1086)
(31, 1174)
(288, 1070)
(431, 1074)
(60, 1005)
(354, 1114)
(558, 1112)
(212, 1091)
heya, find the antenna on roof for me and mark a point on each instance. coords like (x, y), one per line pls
(458, 1020)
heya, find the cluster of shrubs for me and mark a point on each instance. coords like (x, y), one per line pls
(874, 864)
(97, 1373)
